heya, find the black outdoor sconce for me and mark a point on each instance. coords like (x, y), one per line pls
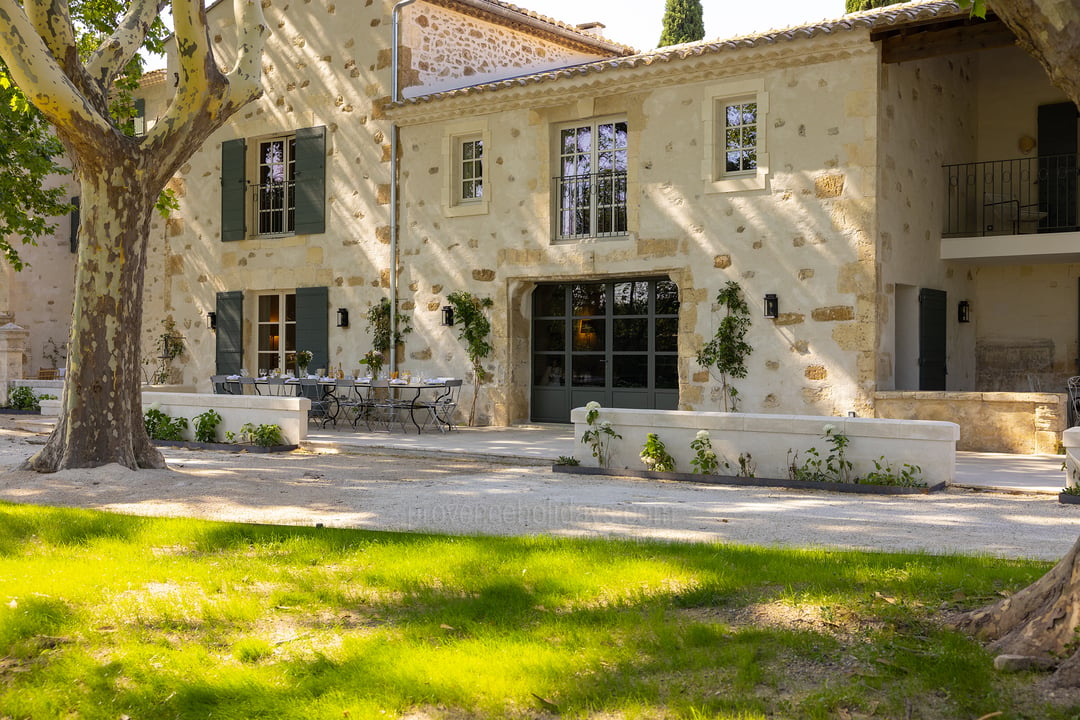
(963, 311)
(342, 317)
(211, 320)
(772, 306)
(447, 315)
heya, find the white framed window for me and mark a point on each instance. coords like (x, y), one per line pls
(467, 191)
(276, 331)
(590, 191)
(734, 117)
(470, 163)
(274, 201)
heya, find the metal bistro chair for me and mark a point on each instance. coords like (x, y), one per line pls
(443, 407)
(383, 406)
(323, 403)
(222, 385)
(276, 386)
(245, 382)
(349, 399)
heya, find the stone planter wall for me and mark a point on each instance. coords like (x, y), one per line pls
(768, 439)
(235, 410)
(1024, 423)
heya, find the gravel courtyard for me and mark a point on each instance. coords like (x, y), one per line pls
(382, 491)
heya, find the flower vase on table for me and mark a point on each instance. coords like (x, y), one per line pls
(373, 359)
(303, 359)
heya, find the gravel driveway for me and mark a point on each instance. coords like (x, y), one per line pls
(395, 492)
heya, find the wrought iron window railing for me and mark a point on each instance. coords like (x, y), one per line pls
(1012, 197)
(592, 205)
(273, 207)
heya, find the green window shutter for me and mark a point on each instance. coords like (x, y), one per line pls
(312, 324)
(233, 191)
(310, 177)
(139, 121)
(73, 238)
(230, 332)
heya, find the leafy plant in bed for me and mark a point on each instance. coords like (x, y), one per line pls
(166, 430)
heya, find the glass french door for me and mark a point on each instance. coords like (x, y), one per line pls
(277, 332)
(613, 342)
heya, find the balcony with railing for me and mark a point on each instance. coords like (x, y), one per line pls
(1003, 199)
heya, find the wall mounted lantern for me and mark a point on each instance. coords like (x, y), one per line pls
(447, 315)
(963, 311)
(211, 320)
(772, 306)
(342, 317)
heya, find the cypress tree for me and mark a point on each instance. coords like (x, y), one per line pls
(683, 22)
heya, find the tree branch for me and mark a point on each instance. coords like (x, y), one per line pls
(118, 49)
(42, 80)
(52, 21)
(205, 97)
(245, 77)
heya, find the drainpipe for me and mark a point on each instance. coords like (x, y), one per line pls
(394, 97)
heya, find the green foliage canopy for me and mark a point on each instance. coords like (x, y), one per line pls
(683, 22)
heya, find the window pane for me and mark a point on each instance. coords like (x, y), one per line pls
(268, 308)
(588, 370)
(290, 337)
(732, 114)
(630, 371)
(632, 298)
(548, 370)
(667, 372)
(589, 299)
(749, 160)
(589, 335)
(731, 139)
(749, 113)
(630, 334)
(667, 334)
(290, 308)
(269, 338)
(733, 162)
(667, 298)
(549, 300)
(550, 335)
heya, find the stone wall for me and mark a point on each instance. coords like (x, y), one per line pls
(1024, 423)
(807, 236)
(444, 49)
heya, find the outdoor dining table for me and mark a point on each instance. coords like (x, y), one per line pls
(409, 394)
(403, 394)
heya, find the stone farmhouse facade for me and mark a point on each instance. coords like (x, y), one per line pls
(842, 173)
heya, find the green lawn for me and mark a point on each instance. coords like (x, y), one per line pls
(106, 616)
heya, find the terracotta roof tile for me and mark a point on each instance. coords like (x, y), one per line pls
(877, 19)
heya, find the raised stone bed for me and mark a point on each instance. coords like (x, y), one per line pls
(227, 447)
(756, 482)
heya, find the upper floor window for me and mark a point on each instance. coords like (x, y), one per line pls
(467, 189)
(740, 137)
(275, 200)
(590, 190)
(274, 185)
(733, 121)
(471, 163)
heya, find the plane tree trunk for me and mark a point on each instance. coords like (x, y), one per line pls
(120, 178)
(101, 409)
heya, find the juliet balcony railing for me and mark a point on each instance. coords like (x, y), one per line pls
(1012, 197)
(273, 207)
(591, 205)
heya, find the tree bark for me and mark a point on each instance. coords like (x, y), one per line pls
(120, 178)
(1039, 621)
(1049, 30)
(101, 419)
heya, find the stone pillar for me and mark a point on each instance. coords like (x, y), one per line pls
(13, 341)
